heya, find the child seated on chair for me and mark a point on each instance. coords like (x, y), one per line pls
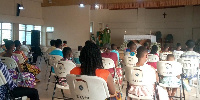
(132, 48)
(154, 50)
(146, 90)
(171, 81)
(67, 56)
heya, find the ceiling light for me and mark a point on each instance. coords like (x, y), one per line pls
(82, 5)
(97, 6)
(21, 7)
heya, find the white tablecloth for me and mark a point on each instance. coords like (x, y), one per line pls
(140, 37)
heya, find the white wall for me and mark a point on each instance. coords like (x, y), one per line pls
(181, 22)
(70, 23)
(32, 14)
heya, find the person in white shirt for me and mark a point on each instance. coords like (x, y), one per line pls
(25, 48)
(190, 44)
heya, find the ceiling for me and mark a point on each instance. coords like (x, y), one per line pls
(122, 4)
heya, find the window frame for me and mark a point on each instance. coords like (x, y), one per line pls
(11, 30)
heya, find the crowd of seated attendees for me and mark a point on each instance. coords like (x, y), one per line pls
(91, 64)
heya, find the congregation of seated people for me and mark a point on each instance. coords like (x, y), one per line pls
(91, 64)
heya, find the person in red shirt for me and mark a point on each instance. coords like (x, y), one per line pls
(108, 54)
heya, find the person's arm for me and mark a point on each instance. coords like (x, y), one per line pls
(110, 83)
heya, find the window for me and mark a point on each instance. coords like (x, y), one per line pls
(50, 29)
(5, 32)
(25, 32)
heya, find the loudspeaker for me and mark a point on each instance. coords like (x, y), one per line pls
(18, 10)
(35, 38)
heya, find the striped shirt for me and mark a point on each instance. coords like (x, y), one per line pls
(191, 55)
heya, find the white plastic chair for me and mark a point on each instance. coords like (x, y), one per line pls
(20, 57)
(84, 87)
(130, 60)
(52, 60)
(163, 56)
(191, 67)
(152, 58)
(4, 82)
(12, 64)
(171, 69)
(177, 54)
(62, 69)
(135, 76)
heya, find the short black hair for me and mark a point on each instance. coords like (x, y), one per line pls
(112, 46)
(178, 44)
(130, 43)
(17, 43)
(65, 42)
(80, 48)
(146, 44)
(66, 51)
(154, 49)
(190, 44)
(140, 51)
(107, 45)
(52, 42)
(88, 42)
(58, 43)
(166, 46)
(9, 44)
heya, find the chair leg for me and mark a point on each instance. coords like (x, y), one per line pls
(63, 93)
(49, 80)
(54, 90)
(180, 92)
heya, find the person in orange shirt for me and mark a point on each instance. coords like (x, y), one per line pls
(91, 65)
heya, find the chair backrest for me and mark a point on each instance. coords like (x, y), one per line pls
(44, 49)
(11, 63)
(84, 87)
(152, 58)
(53, 59)
(76, 54)
(177, 54)
(2, 79)
(130, 60)
(188, 63)
(169, 68)
(163, 56)
(63, 68)
(136, 76)
(108, 63)
(20, 57)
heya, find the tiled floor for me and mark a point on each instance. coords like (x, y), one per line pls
(46, 95)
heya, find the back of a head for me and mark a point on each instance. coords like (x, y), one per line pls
(166, 46)
(52, 42)
(113, 46)
(65, 42)
(190, 44)
(141, 51)
(146, 44)
(170, 57)
(178, 44)
(88, 42)
(66, 51)
(58, 43)
(90, 58)
(17, 43)
(80, 48)
(107, 46)
(154, 49)
(129, 44)
(8, 44)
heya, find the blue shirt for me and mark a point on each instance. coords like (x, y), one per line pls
(116, 53)
(11, 84)
(57, 51)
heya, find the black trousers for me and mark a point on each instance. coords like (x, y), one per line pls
(25, 91)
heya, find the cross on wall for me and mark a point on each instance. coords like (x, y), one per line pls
(164, 15)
